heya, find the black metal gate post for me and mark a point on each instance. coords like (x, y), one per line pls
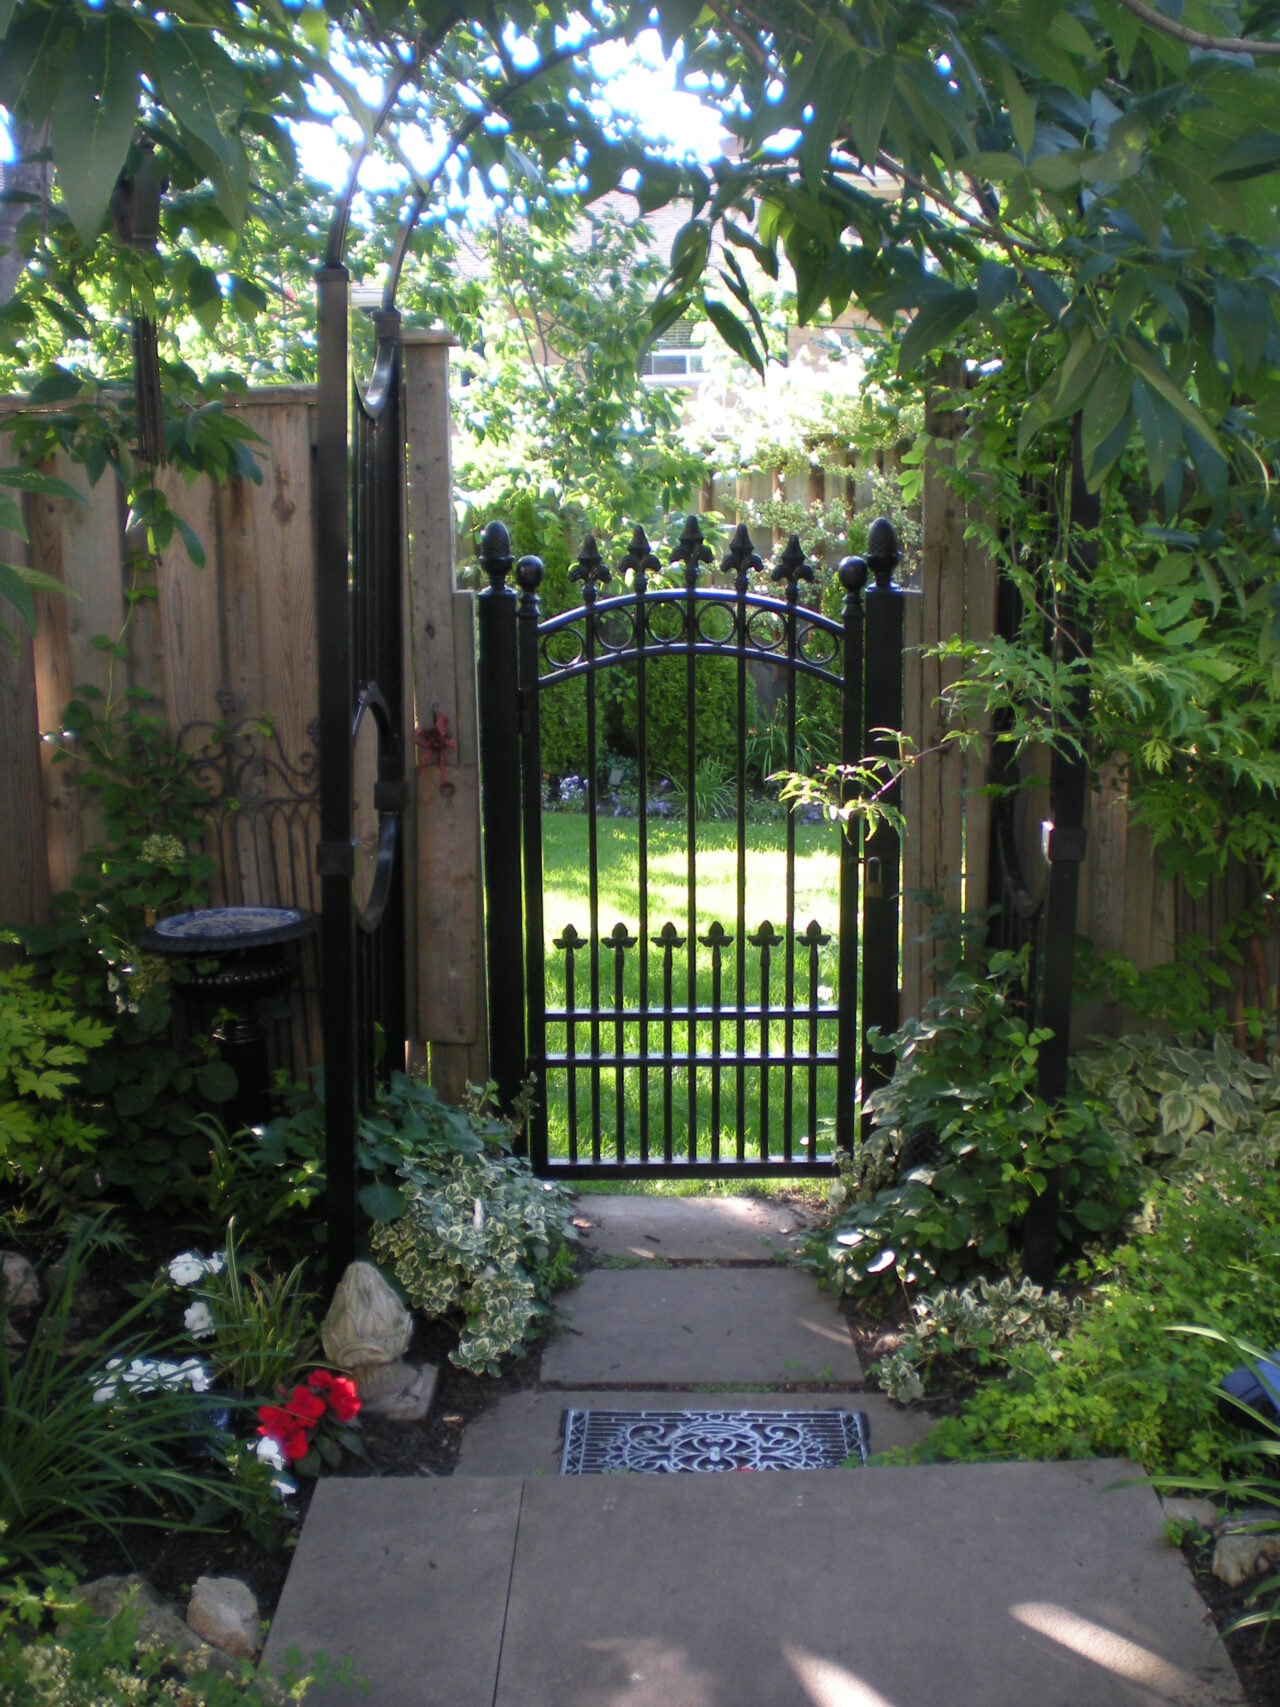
(1064, 848)
(881, 909)
(335, 857)
(529, 575)
(499, 704)
(853, 578)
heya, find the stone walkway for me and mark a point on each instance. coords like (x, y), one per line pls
(507, 1585)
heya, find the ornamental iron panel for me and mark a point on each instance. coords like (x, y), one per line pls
(655, 1038)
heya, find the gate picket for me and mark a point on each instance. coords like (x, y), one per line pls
(751, 624)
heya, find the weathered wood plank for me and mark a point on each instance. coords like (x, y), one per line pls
(448, 929)
(80, 545)
(918, 843)
(24, 851)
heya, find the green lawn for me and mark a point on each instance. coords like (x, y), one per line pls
(566, 902)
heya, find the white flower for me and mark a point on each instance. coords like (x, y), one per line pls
(189, 1267)
(186, 1268)
(198, 1320)
(270, 1451)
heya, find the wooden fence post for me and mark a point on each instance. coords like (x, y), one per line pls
(24, 851)
(446, 903)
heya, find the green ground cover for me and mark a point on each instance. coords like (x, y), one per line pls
(566, 901)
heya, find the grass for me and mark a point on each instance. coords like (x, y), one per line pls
(566, 901)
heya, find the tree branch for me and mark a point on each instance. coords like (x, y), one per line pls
(1197, 38)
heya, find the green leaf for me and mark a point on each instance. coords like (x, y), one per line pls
(1251, 157)
(202, 87)
(7, 9)
(94, 118)
(734, 333)
(1161, 433)
(1105, 405)
(1022, 109)
(1161, 383)
(939, 319)
(382, 1202)
(191, 539)
(17, 583)
(217, 1082)
(869, 108)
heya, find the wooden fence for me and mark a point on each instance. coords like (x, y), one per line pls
(227, 646)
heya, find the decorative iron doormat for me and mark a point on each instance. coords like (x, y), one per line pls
(597, 1442)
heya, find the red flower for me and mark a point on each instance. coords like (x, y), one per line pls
(320, 1379)
(344, 1401)
(305, 1407)
(294, 1442)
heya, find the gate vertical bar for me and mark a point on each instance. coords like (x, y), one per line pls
(791, 570)
(529, 576)
(640, 559)
(741, 558)
(692, 551)
(884, 628)
(591, 572)
(500, 812)
(853, 578)
(335, 861)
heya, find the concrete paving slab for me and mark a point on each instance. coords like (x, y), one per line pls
(689, 1229)
(521, 1434)
(408, 1578)
(684, 1327)
(1018, 1585)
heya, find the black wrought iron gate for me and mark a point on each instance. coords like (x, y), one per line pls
(699, 1045)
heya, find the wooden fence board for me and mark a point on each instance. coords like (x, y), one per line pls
(450, 997)
(24, 850)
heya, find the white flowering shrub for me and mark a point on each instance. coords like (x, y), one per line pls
(978, 1324)
(486, 1244)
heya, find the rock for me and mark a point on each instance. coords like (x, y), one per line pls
(106, 1596)
(366, 1324)
(397, 1392)
(225, 1612)
(13, 1340)
(1238, 1557)
(1201, 1512)
(20, 1285)
(887, 1344)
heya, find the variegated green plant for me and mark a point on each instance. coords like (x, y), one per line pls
(486, 1243)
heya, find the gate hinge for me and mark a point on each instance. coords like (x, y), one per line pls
(336, 859)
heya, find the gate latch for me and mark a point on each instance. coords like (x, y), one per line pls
(875, 883)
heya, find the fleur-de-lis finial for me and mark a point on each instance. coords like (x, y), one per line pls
(639, 557)
(591, 569)
(691, 549)
(792, 568)
(495, 554)
(742, 556)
